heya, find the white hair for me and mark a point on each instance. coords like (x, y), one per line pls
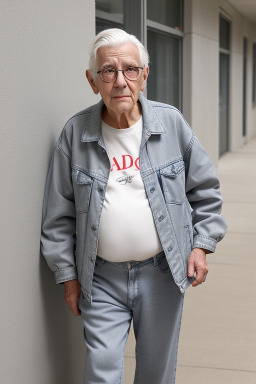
(112, 37)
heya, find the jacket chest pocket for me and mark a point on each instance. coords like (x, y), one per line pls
(82, 184)
(172, 181)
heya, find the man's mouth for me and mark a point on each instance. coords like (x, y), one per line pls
(120, 96)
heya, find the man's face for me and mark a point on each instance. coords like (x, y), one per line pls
(121, 95)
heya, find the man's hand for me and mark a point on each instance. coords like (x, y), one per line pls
(197, 263)
(72, 293)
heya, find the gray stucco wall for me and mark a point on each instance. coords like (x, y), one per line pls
(44, 55)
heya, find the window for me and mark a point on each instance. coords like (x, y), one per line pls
(164, 82)
(159, 25)
(109, 14)
(224, 34)
(166, 12)
(224, 53)
(164, 42)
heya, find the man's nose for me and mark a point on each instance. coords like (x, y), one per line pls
(120, 80)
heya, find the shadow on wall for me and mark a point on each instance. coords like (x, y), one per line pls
(63, 333)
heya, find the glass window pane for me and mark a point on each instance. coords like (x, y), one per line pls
(101, 25)
(167, 12)
(224, 34)
(164, 81)
(109, 14)
(110, 6)
(223, 103)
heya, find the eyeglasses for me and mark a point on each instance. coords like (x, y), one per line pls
(110, 74)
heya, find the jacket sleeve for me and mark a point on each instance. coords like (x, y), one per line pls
(59, 218)
(203, 194)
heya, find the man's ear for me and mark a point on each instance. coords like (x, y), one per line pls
(144, 77)
(92, 82)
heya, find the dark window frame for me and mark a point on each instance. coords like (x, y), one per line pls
(226, 52)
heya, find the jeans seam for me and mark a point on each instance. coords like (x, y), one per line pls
(178, 335)
(120, 379)
(136, 379)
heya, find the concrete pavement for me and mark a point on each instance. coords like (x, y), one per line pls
(218, 333)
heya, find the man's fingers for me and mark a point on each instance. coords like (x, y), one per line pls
(72, 293)
(197, 263)
(191, 268)
(74, 308)
(72, 303)
(205, 275)
(201, 275)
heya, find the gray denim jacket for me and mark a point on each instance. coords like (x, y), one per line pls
(180, 182)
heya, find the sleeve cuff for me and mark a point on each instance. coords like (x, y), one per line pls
(66, 274)
(204, 242)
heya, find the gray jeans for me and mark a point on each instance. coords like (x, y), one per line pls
(145, 292)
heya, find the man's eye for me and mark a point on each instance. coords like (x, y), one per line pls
(131, 69)
(108, 70)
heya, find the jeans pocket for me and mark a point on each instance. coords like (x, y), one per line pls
(172, 180)
(99, 262)
(162, 264)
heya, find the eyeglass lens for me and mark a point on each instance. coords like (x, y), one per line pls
(109, 74)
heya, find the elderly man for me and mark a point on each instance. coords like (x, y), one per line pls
(132, 206)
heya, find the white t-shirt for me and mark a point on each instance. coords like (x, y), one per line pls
(127, 230)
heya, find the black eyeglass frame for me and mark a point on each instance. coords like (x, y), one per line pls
(121, 70)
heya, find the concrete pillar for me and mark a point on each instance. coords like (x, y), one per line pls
(200, 71)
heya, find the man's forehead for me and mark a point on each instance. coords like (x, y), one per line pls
(125, 52)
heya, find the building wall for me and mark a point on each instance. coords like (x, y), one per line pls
(44, 55)
(240, 28)
(249, 31)
(201, 73)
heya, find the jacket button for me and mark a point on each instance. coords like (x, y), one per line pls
(152, 189)
(94, 228)
(169, 249)
(92, 259)
(160, 218)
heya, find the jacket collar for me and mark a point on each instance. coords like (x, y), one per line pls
(151, 122)
(92, 129)
(150, 119)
